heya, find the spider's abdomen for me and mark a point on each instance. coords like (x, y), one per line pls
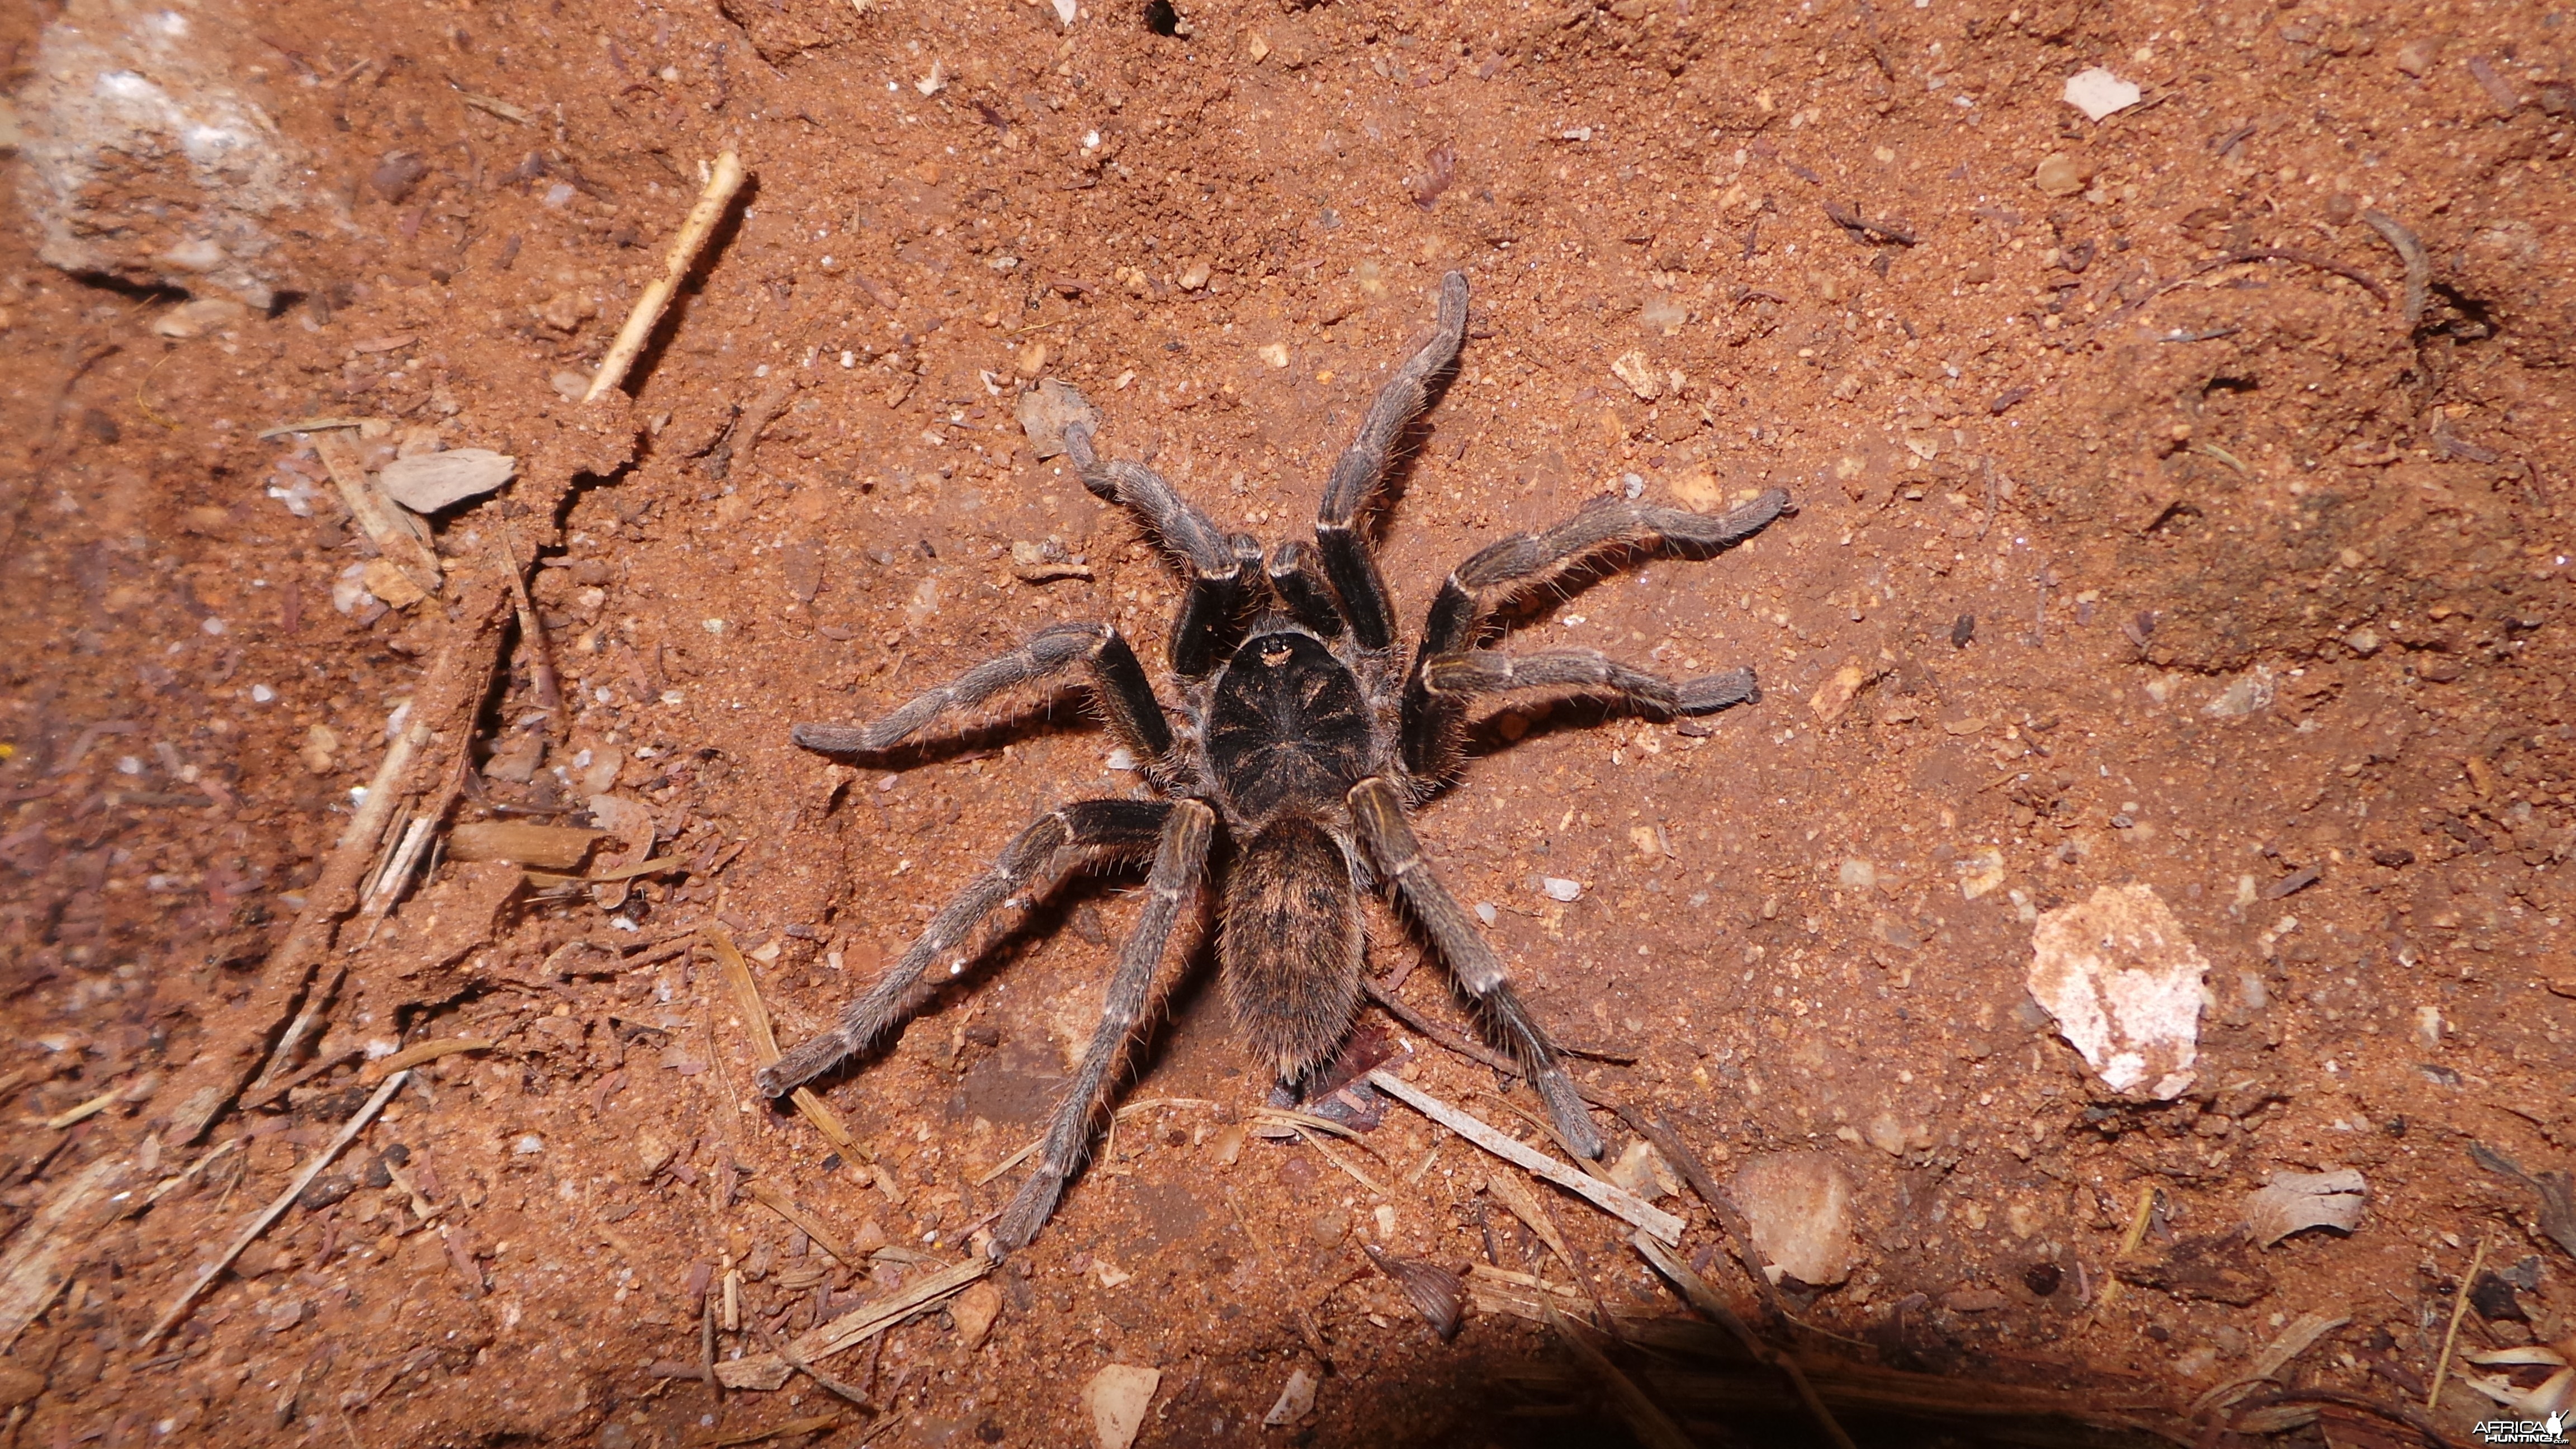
(1288, 726)
(1291, 945)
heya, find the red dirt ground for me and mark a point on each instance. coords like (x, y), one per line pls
(2140, 539)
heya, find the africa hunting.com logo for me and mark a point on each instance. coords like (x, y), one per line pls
(2552, 1430)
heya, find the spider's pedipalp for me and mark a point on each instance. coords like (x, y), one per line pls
(1118, 682)
(1030, 865)
(1348, 560)
(1302, 591)
(1180, 858)
(1498, 572)
(1377, 810)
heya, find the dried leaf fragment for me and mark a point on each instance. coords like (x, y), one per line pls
(429, 482)
(2293, 1202)
(1296, 1400)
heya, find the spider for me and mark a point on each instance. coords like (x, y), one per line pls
(1301, 741)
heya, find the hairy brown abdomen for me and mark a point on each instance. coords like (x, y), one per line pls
(1291, 946)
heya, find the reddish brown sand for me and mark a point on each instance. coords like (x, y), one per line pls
(2140, 539)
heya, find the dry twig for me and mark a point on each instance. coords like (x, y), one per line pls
(804, 1222)
(277, 1207)
(712, 203)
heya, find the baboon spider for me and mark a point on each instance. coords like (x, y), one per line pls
(1301, 740)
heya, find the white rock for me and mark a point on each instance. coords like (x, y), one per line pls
(2098, 93)
(1116, 1398)
(431, 481)
(2243, 695)
(1799, 1207)
(2124, 982)
(142, 161)
(1558, 888)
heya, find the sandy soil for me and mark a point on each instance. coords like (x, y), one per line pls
(2151, 529)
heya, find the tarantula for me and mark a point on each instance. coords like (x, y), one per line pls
(1301, 740)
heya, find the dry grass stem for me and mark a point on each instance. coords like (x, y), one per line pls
(1644, 1417)
(806, 1222)
(768, 1370)
(420, 1053)
(1609, 1197)
(1696, 1291)
(1337, 1160)
(277, 1207)
(755, 1018)
(396, 532)
(2451, 1335)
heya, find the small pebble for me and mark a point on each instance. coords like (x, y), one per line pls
(1558, 888)
(1486, 913)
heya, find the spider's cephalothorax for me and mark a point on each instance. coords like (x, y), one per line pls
(1303, 738)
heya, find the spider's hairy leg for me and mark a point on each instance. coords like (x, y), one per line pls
(1180, 859)
(1378, 811)
(1502, 570)
(1291, 950)
(1029, 867)
(1348, 560)
(1215, 561)
(1117, 681)
(1481, 673)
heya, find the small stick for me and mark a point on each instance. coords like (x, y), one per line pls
(767, 1371)
(1645, 1418)
(276, 1209)
(306, 1022)
(2307, 259)
(857, 1396)
(2451, 1335)
(2419, 267)
(804, 1222)
(648, 309)
(422, 1053)
(397, 532)
(2129, 1242)
(755, 1017)
(93, 1107)
(1330, 1156)
(1739, 1231)
(532, 631)
(1610, 1198)
(1850, 220)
